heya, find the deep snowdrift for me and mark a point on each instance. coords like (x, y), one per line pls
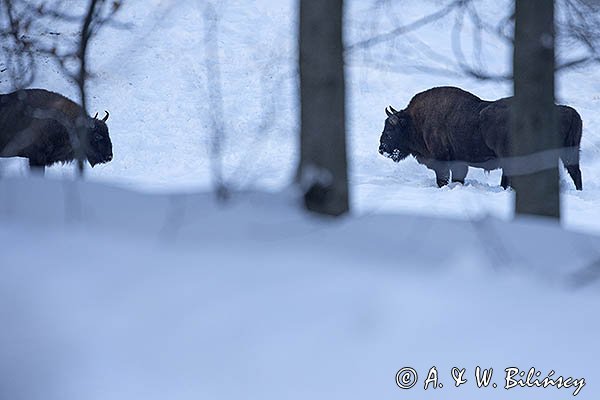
(154, 296)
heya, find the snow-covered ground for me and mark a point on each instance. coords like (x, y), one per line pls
(136, 284)
(111, 294)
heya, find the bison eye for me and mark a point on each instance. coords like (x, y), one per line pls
(98, 137)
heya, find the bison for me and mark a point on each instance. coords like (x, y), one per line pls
(448, 129)
(42, 126)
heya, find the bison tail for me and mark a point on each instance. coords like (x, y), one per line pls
(573, 138)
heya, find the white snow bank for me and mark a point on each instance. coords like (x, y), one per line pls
(156, 296)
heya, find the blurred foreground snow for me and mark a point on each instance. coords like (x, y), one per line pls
(172, 296)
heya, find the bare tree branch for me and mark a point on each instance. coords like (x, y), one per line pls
(394, 33)
(578, 26)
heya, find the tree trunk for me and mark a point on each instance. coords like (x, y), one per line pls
(534, 120)
(322, 172)
(82, 128)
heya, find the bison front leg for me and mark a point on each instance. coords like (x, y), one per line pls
(459, 172)
(570, 159)
(442, 174)
(575, 173)
(441, 169)
(36, 168)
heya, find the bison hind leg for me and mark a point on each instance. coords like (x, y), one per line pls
(459, 172)
(570, 159)
(575, 173)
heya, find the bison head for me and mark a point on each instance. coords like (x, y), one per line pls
(395, 137)
(99, 149)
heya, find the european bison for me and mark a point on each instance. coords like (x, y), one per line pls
(448, 129)
(42, 127)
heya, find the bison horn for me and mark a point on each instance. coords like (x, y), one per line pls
(106, 116)
(388, 112)
(392, 110)
(96, 116)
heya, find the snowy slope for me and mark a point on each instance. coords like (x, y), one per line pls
(168, 296)
(153, 80)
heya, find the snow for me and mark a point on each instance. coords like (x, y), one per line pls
(175, 296)
(137, 284)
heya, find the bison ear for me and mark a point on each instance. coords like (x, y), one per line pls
(388, 112)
